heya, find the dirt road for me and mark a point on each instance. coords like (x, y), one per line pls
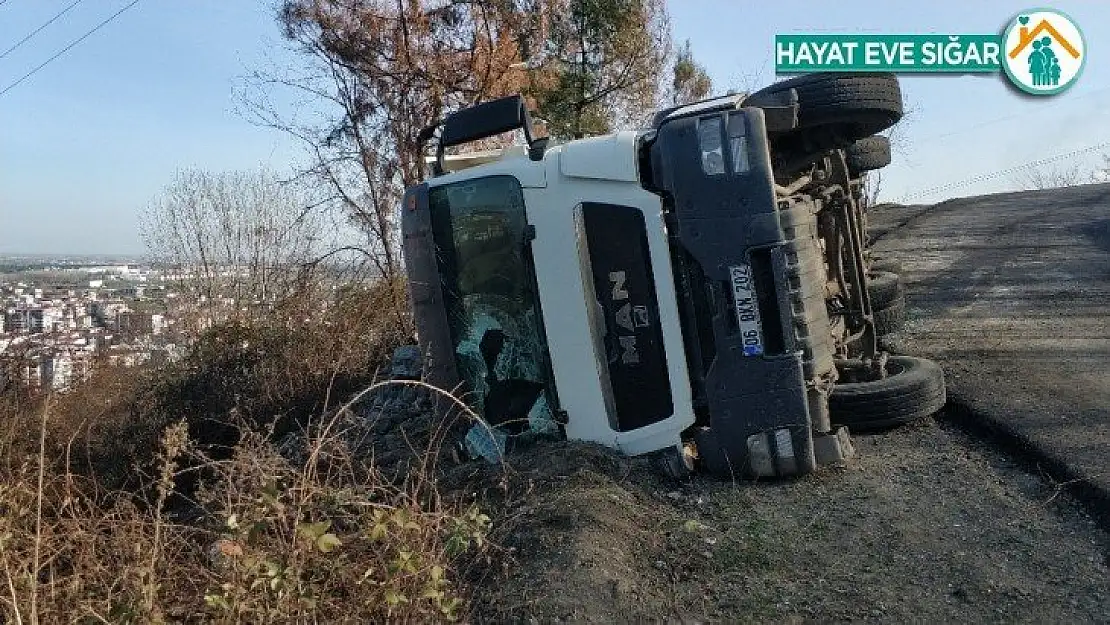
(1011, 293)
(928, 525)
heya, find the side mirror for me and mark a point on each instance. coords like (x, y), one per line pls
(481, 121)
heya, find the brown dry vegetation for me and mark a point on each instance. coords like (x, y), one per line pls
(161, 496)
(273, 542)
(269, 371)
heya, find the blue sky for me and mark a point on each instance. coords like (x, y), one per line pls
(957, 127)
(88, 141)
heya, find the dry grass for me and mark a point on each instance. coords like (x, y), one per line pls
(265, 541)
(162, 497)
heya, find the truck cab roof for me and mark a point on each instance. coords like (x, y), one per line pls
(609, 157)
(458, 162)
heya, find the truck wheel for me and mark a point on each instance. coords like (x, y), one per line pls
(856, 105)
(891, 318)
(867, 155)
(912, 390)
(884, 287)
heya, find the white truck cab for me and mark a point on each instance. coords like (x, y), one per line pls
(645, 290)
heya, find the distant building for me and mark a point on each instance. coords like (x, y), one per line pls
(36, 320)
(15, 321)
(57, 372)
(61, 292)
(104, 314)
(32, 373)
(41, 320)
(135, 323)
(128, 358)
(129, 292)
(62, 370)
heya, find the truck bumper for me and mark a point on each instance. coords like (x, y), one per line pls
(761, 398)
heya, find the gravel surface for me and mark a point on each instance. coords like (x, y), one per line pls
(927, 525)
(1011, 293)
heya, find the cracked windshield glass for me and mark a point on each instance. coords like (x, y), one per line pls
(492, 307)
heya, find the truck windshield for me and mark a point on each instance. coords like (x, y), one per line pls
(493, 311)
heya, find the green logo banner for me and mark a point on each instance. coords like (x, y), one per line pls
(797, 54)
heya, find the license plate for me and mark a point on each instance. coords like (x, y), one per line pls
(747, 309)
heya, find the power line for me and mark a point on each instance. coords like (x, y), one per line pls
(995, 120)
(69, 47)
(39, 29)
(1002, 172)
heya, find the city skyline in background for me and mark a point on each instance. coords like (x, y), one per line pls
(91, 138)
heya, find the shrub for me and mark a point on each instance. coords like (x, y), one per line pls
(266, 541)
(263, 373)
(161, 495)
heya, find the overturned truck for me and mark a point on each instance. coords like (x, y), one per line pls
(698, 291)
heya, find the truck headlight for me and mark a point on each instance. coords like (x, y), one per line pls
(709, 139)
(738, 144)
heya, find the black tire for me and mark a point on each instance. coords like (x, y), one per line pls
(884, 287)
(891, 318)
(855, 105)
(867, 155)
(913, 389)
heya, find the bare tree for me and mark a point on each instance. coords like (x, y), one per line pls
(1102, 173)
(872, 187)
(1048, 176)
(901, 148)
(243, 238)
(379, 71)
(751, 78)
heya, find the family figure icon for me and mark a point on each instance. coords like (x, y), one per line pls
(1043, 64)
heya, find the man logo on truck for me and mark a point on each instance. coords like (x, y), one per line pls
(628, 317)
